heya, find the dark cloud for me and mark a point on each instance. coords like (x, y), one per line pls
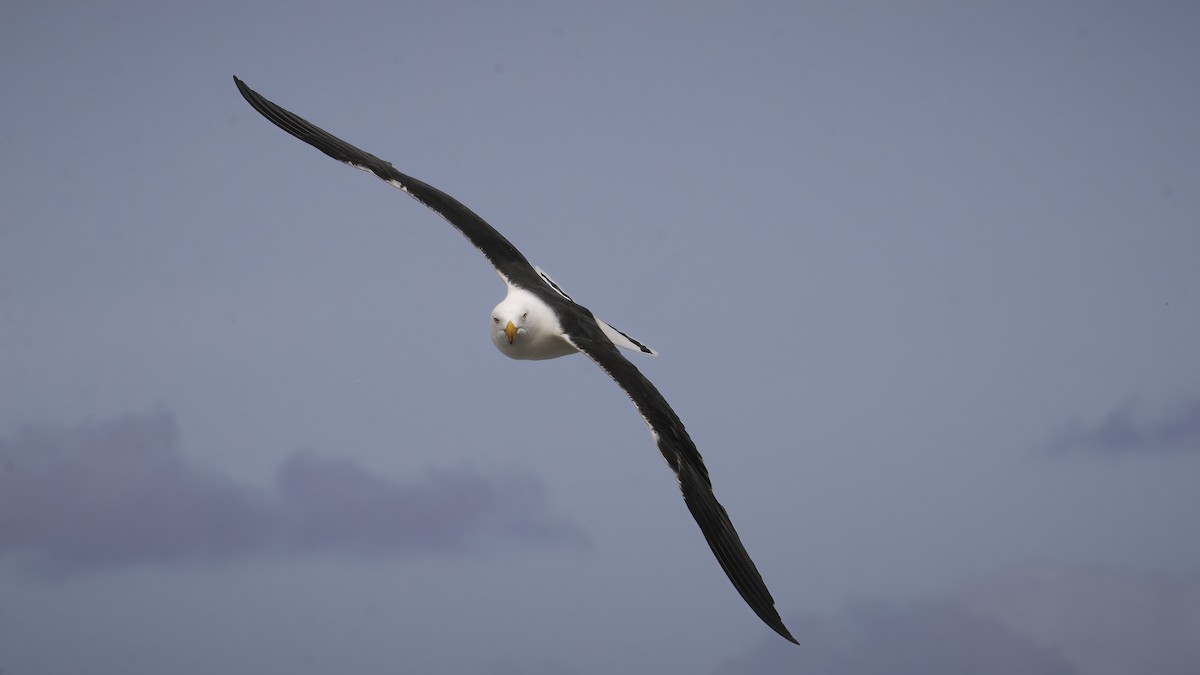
(1036, 620)
(118, 492)
(1128, 430)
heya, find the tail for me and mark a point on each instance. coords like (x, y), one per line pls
(622, 340)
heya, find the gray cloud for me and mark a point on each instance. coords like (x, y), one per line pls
(1040, 620)
(929, 637)
(118, 492)
(1107, 622)
(1128, 429)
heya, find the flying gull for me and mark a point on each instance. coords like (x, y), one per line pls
(538, 320)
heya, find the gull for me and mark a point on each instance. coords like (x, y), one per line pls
(538, 320)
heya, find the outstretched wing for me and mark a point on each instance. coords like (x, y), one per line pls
(508, 261)
(682, 456)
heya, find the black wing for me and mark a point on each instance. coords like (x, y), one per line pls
(682, 456)
(672, 439)
(505, 257)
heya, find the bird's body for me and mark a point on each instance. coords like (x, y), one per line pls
(538, 320)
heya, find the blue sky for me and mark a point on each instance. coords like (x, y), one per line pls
(923, 279)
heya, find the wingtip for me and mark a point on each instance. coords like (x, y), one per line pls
(771, 618)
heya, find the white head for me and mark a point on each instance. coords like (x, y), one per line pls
(524, 327)
(509, 323)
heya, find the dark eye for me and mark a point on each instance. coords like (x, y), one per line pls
(495, 319)
(524, 316)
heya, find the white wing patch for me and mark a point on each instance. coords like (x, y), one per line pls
(546, 277)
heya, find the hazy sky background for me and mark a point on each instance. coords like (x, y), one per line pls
(925, 280)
